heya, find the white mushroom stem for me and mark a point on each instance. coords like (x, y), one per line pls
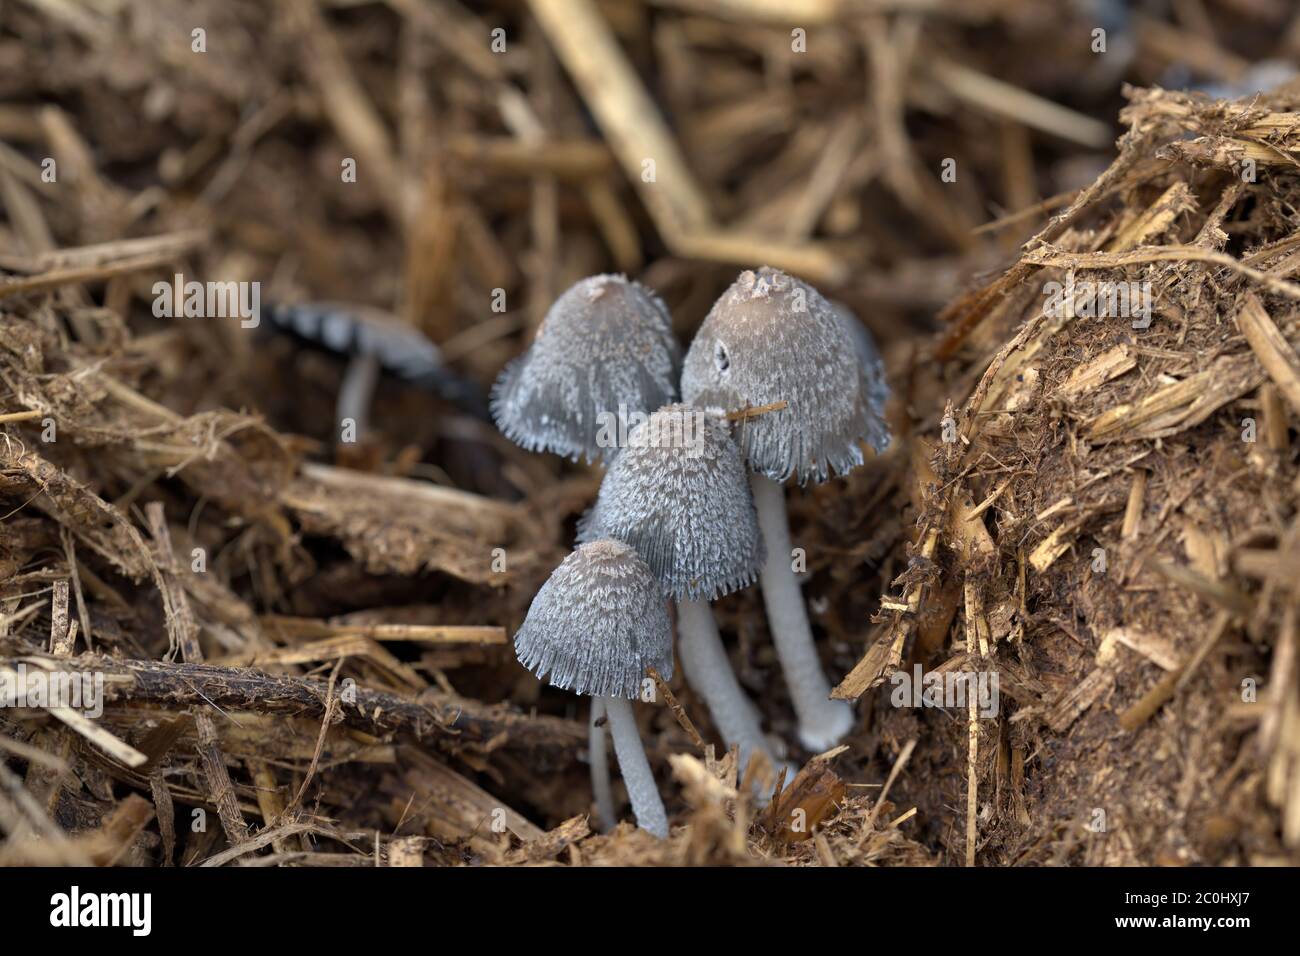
(822, 722)
(599, 761)
(356, 391)
(709, 673)
(635, 768)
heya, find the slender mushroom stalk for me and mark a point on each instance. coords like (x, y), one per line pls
(599, 761)
(678, 494)
(632, 763)
(704, 661)
(822, 722)
(772, 338)
(594, 628)
(604, 349)
(359, 380)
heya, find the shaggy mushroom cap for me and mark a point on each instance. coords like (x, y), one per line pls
(597, 623)
(360, 330)
(606, 342)
(679, 494)
(875, 387)
(399, 348)
(771, 337)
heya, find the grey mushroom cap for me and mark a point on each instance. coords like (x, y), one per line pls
(875, 387)
(368, 332)
(597, 623)
(771, 337)
(362, 330)
(679, 494)
(606, 342)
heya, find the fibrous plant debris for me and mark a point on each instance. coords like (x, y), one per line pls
(1130, 571)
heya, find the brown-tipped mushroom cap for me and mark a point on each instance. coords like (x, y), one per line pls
(606, 342)
(679, 494)
(597, 623)
(769, 338)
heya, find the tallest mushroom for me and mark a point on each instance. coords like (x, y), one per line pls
(772, 338)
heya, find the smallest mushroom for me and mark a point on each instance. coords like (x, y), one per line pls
(594, 628)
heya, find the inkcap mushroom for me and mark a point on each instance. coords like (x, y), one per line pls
(771, 338)
(678, 493)
(594, 628)
(375, 341)
(605, 348)
(871, 367)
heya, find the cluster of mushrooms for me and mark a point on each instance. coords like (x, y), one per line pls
(687, 511)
